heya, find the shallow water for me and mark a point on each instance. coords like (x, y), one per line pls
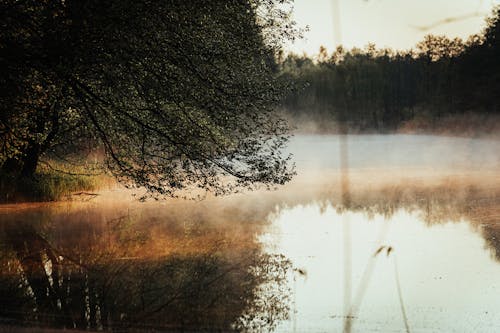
(416, 248)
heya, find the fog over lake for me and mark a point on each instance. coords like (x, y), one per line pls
(415, 248)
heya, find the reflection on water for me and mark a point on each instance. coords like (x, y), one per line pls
(447, 281)
(424, 239)
(80, 267)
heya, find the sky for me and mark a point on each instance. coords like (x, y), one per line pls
(398, 24)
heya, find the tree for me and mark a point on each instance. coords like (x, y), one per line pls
(383, 89)
(434, 48)
(178, 94)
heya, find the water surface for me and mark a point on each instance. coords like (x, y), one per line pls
(416, 248)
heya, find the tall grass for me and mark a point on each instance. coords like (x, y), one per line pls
(49, 184)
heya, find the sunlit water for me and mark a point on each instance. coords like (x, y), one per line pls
(417, 249)
(449, 282)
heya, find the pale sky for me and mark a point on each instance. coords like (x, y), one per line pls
(387, 23)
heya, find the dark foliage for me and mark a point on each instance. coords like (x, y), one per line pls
(177, 94)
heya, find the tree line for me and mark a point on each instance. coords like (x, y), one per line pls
(379, 89)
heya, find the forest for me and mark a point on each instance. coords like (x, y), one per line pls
(374, 89)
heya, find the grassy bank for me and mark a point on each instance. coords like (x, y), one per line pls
(50, 184)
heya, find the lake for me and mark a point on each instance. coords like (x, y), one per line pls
(404, 236)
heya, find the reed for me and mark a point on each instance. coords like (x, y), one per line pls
(50, 183)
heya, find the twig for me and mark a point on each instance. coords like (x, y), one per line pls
(86, 193)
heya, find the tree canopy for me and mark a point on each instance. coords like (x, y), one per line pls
(177, 94)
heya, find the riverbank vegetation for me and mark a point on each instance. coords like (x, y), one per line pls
(52, 183)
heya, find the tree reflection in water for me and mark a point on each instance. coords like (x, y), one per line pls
(437, 198)
(198, 266)
(123, 275)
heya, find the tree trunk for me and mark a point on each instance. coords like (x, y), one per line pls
(11, 166)
(30, 248)
(30, 160)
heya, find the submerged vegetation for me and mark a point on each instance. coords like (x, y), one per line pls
(384, 90)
